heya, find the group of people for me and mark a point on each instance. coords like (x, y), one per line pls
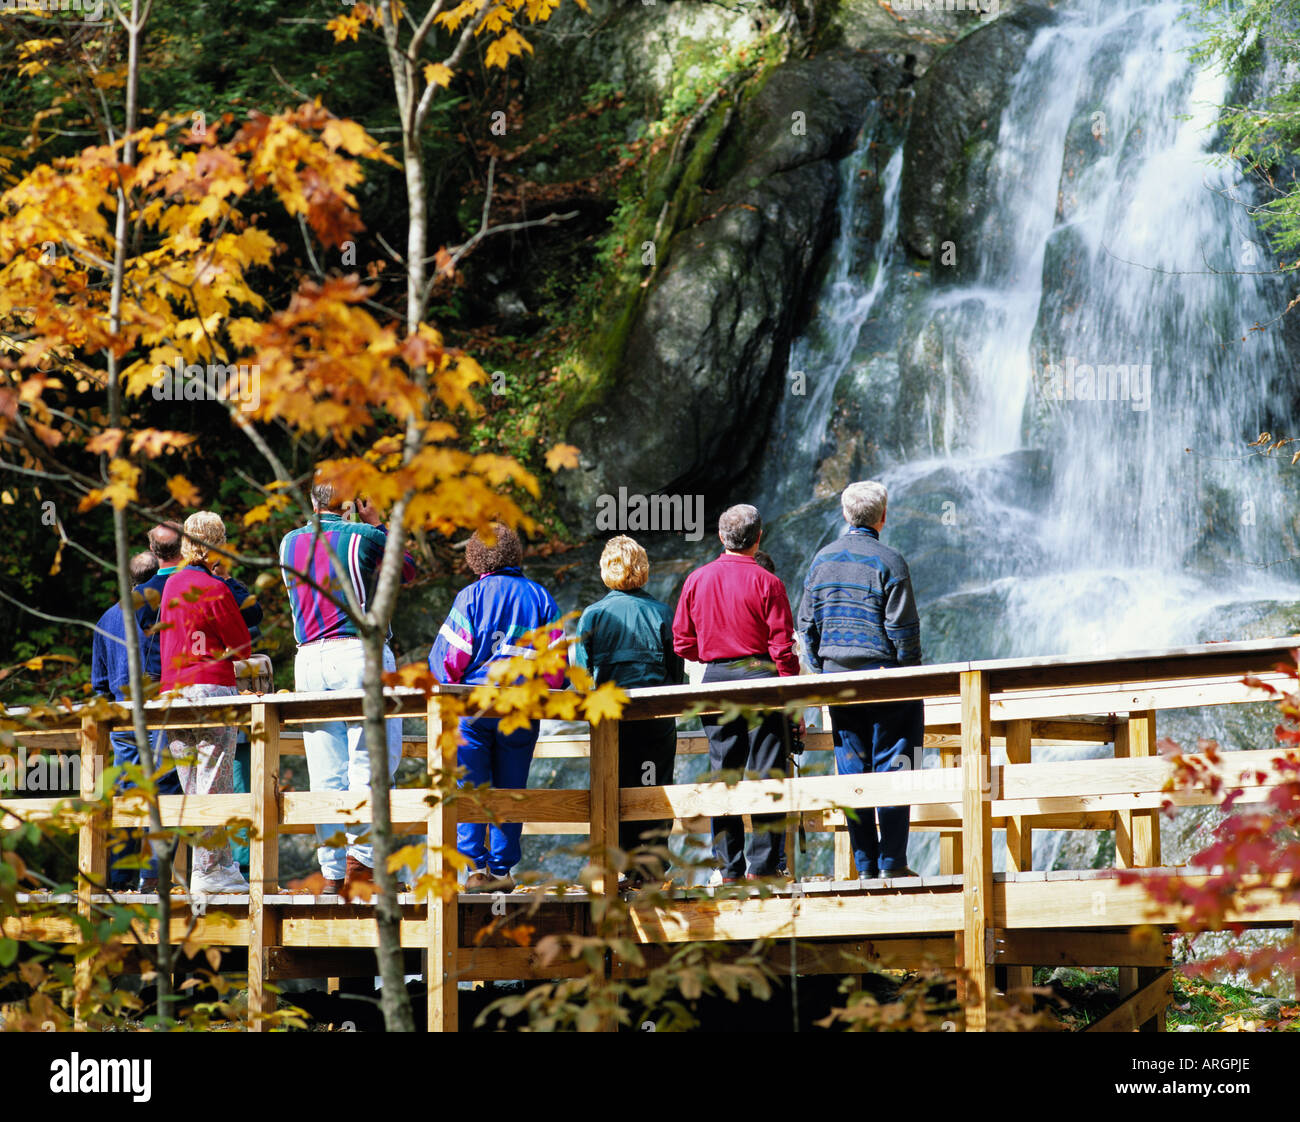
(733, 615)
(196, 626)
(194, 623)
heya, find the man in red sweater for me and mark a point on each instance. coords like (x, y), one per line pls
(734, 616)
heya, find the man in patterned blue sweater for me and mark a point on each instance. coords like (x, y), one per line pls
(858, 613)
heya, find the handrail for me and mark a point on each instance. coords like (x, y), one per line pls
(967, 796)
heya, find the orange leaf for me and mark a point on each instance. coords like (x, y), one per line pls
(105, 442)
(183, 491)
(562, 456)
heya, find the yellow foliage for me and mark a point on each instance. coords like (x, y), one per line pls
(263, 511)
(121, 489)
(510, 43)
(605, 702)
(454, 18)
(183, 491)
(438, 74)
(562, 456)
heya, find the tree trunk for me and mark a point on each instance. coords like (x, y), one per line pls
(161, 851)
(394, 1003)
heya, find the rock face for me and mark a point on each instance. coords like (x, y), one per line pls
(953, 132)
(639, 47)
(704, 359)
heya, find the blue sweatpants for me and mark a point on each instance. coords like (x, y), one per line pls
(494, 759)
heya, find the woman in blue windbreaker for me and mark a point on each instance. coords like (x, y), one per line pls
(486, 623)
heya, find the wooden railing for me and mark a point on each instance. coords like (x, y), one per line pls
(971, 708)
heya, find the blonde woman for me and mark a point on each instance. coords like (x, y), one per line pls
(202, 636)
(627, 638)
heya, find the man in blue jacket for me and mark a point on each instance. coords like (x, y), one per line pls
(858, 613)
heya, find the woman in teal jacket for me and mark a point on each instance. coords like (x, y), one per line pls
(627, 637)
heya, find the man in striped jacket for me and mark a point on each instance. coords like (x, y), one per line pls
(331, 656)
(858, 613)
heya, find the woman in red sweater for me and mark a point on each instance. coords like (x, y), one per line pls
(201, 636)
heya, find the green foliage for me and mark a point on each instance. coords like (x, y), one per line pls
(1206, 1007)
(1245, 37)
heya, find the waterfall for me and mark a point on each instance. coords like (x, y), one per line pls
(1074, 477)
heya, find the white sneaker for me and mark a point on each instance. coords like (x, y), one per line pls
(227, 879)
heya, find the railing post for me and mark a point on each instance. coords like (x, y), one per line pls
(604, 836)
(842, 864)
(1146, 823)
(977, 848)
(263, 857)
(604, 806)
(441, 924)
(1123, 818)
(1137, 839)
(92, 837)
(843, 868)
(1020, 853)
(949, 844)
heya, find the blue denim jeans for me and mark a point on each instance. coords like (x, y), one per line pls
(494, 759)
(872, 739)
(126, 843)
(337, 759)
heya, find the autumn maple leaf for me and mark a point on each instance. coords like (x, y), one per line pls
(562, 456)
(183, 491)
(605, 701)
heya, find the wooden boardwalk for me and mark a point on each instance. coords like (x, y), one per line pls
(977, 714)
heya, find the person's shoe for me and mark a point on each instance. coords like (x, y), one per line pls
(871, 874)
(481, 880)
(224, 878)
(897, 874)
(149, 884)
(357, 873)
(331, 887)
(503, 883)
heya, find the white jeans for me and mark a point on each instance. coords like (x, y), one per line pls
(337, 759)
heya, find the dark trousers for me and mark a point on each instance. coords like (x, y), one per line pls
(647, 751)
(733, 747)
(871, 739)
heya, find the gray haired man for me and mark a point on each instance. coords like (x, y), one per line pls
(858, 613)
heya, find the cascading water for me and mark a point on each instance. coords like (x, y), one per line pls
(1074, 479)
